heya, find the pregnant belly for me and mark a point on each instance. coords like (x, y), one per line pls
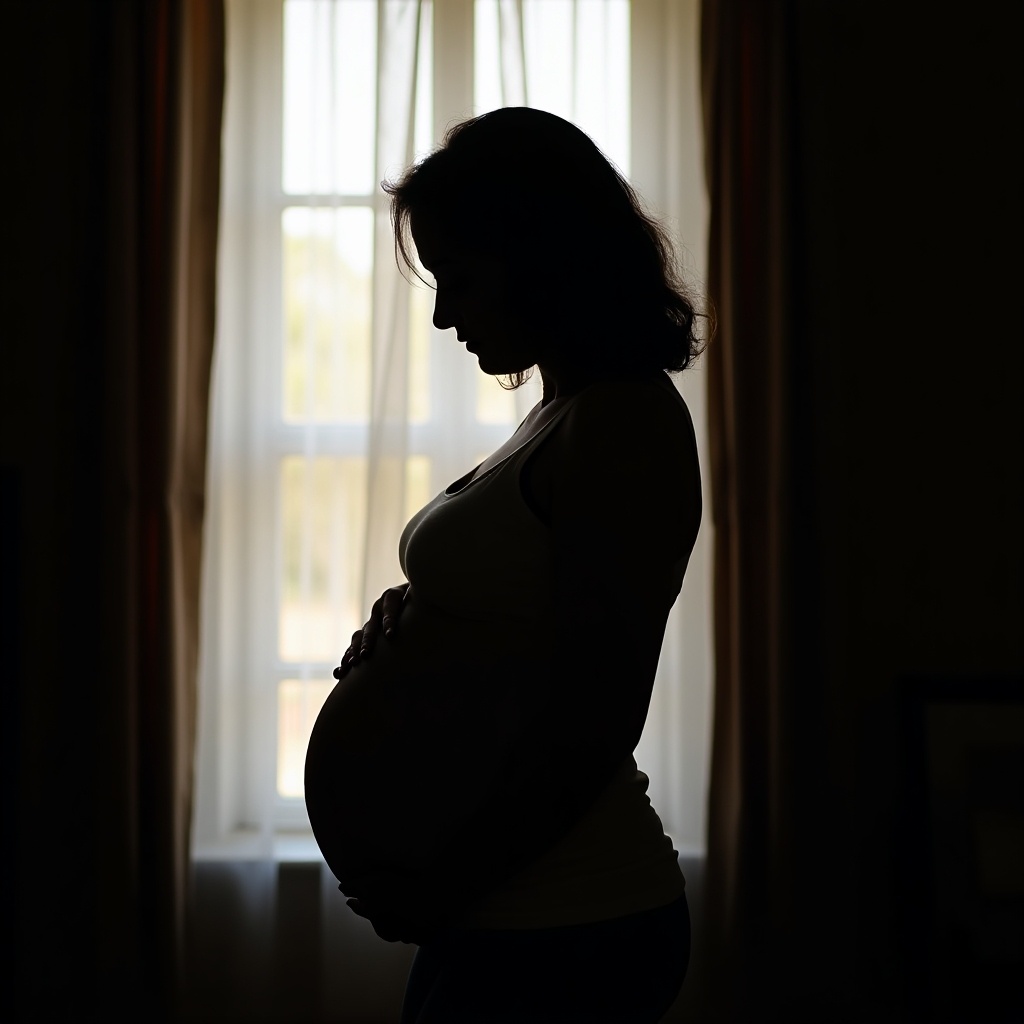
(414, 738)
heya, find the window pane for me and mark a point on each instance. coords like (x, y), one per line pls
(486, 57)
(423, 130)
(330, 69)
(323, 514)
(327, 261)
(323, 522)
(496, 405)
(493, 403)
(417, 485)
(421, 310)
(601, 100)
(298, 704)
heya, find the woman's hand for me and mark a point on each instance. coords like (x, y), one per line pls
(397, 907)
(384, 616)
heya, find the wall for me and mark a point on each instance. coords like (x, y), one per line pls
(52, 400)
(909, 181)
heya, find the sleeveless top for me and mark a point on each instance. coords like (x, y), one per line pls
(478, 553)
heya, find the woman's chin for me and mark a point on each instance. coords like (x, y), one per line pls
(499, 367)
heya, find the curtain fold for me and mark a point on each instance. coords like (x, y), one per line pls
(165, 91)
(512, 54)
(400, 24)
(754, 421)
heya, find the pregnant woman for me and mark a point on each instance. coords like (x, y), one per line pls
(470, 779)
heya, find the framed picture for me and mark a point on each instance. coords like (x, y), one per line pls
(962, 849)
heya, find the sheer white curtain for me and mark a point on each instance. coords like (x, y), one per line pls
(667, 166)
(401, 25)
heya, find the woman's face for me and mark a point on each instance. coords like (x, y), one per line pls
(475, 297)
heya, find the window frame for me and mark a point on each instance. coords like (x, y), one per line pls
(244, 658)
(238, 718)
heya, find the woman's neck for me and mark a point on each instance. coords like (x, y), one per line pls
(563, 385)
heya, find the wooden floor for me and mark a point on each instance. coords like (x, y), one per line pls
(293, 952)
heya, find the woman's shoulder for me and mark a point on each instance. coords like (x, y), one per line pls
(629, 409)
(633, 431)
(633, 440)
(630, 428)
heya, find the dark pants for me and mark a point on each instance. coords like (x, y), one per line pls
(625, 971)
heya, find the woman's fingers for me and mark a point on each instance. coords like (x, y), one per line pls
(351, 656)
(370, 629)
(383, 616)
(393, 602)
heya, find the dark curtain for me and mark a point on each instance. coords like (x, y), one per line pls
(865, 429)
(177, 105)
(865, 423)
(764, 636)
(117, 125)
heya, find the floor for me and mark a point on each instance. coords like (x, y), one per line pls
(276, 943)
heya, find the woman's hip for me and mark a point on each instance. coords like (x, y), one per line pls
(625, 969)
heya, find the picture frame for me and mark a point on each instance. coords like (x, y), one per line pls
(961, 848)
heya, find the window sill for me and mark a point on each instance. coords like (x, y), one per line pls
(252, 844)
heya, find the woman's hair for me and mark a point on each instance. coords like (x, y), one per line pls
(583, 257)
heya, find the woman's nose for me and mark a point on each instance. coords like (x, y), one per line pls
(444, 316)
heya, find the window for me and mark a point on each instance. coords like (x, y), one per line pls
(306, 258)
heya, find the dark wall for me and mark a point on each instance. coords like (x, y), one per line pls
(909, 178)
(911, 164)
(57, 822)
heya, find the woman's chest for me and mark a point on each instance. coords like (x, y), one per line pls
(540, 467)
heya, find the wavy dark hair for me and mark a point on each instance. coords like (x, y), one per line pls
(580, 250)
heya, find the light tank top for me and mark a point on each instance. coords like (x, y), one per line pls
(478, 553)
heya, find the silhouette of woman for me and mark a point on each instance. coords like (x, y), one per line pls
(470, 779)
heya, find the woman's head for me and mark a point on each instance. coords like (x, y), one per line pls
(523, 203)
